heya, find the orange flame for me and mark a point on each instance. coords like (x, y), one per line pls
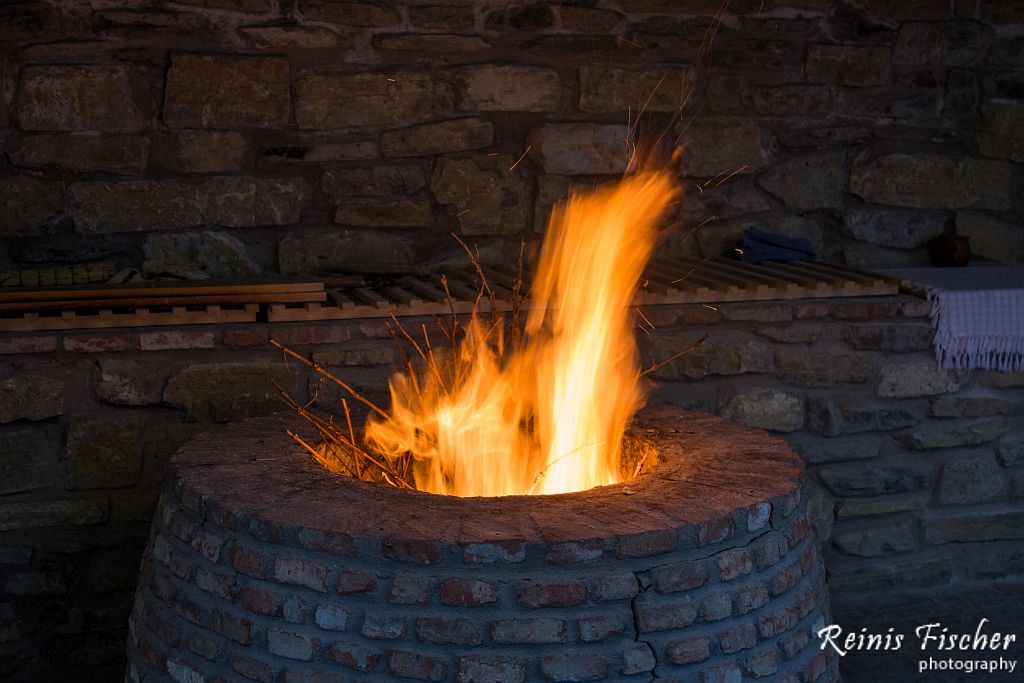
(548, 415)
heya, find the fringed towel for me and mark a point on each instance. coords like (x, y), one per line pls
(977, 313)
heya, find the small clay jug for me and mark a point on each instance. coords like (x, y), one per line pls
(950, 250)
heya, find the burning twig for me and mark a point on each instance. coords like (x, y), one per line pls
(662, 363)
(316, 367)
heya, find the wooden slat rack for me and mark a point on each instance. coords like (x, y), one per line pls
(679, 281)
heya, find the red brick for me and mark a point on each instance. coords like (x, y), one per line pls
(97, 343)
(646, 544)
(350, 581)
(205, 647)
(171, 340)
(528, 631)
(187, 608)
(721, 673)
(163, 587)
(575, 551)
(374, 329)
(489, 553)
(776, 621)
(715, 605)
(808, 600)
(295, 609)
(813, 309)
(603, 626)
(383, 626)
(291, 644)
(571, 666)
(758, 516)
(168, 632)
(327, 541)
(410, 590)
(714, 532)
(689, 650)
(737, 637)
(468, 592)
(238, 629)
(250, 562)
(301, 573)
(750, 597)
(300, 335)
(448, 631)
(412, 552)
(150, 656)
(816, 667)
(760, 665)
(769, 549)
(478, 669)
(208, 545)
(421, 667)
(865, 310)
(663, 616)
(183, 526)
(798, 532)
(733, 563)
(786, 578)
(261, 601)
(679, 576)
(28, 344)
(332, 617)
(620, 586)
(250, 667)
(807, 558)
(216, 582)
(793, 643)
(250, 335)
(552, 595)
(354, 656)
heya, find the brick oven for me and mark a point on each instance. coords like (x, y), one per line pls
(294, 170)
(264, 565)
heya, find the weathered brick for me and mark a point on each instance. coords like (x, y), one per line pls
(733, 563)
(216, 582)
(261, 601)
(646, 544)
(187, 608)
(351, 581)
(332, 542)
(177, 339)
(482, 669)
(618, 586)
(208, 545)
(412, 552)
(786, 578)
(35, 344)
(354, 655)
(489, 553)
(736, 638)
(529, 631)
(575, 551)
(791, 644)
(97, 343)
(407, 589)
(777, 621)
(295, 609)
(688, 651)
(250, 562)
(250, 667)
(311, 333)
(716, 531)
(252, 335)
(420, 667)
(301, 573)
(604, 626)
(679, 576)
(468, 592)
(448, 630)
(331, 617)
(663, 616)
(218, 91)
(291, 644)
(715, 605)
(552, 594)
(238, 629)
(384, 626)
(205, 647)
(750, 597)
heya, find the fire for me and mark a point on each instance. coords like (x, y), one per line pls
(544, 411)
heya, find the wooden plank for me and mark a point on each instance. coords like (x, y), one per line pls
(160, 289)
(33, 322)
(142, 302)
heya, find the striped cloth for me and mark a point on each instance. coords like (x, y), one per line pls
(977, 313)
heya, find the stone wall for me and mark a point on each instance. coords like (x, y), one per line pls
(916, 475)
(234, 137)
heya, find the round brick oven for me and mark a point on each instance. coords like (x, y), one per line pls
(262, 566)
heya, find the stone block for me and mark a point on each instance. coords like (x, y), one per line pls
(581, 148)
(246, 6)
(399, 213)
(428, 42)
(976, 524)
(877, 541)
(963, 406)
(30, 397)
(378, 181)
(816, 450)
(284, 37)
(951, 43)
(103, 453)
(508, 88)
(218, 91)
(51, 513)
(872, 480)
(341, 250)
(484, 199)
(893, 227)
(889, 337)
(120, 154)
(364, 14)
(86, 98)
(917, 572)
(853, 65)
(834, 417)
(917, 378)
(457, 135)
(224, 392)
(29, 207)
(326, 101)
(991, 238)
(29, 458)
(210, 151)
(808, 182)
(711, 357)
(635, 87)
(129, 383)
(941, 435)
(820, 368)
(974, 479)
(765, 409)
(198, 256)
(881, 505)
(721, 145)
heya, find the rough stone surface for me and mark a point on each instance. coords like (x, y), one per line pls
(893, 228)
(722, 145)
(30, 397)
(222, 392)
(618, 88)
(208, 151)
(485, 200)
(581, 148)
(28, 206)
(509, 88)
(29, 458)
(918, 378)
(197, 256)
(128, 383)
(969, 480)
(214, 91)
(457, 135)
(810, 182)
(764, 408)
(340, 250)
(103, 453)
(79, 98)
(325, 101)
(122, 154)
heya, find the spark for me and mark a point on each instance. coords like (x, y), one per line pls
(713, 308)
(629, 42)
(641, 314)
(685, 276)
(521, 157)
(738, 170)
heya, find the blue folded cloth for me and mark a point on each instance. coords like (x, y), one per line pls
(765, 246)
